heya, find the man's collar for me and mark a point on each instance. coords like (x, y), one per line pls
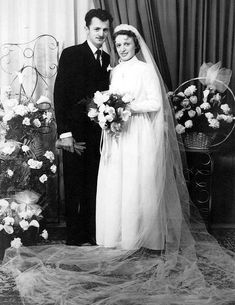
(92, 47)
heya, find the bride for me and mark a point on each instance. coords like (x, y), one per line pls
(142, 202)
(133, 181)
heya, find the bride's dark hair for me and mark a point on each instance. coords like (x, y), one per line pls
(129, 34)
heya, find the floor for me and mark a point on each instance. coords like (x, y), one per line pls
(9, 294)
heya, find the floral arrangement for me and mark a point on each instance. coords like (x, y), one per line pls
(110, 111)
(204, 105)
(25, 166)
(200, 114)
(20, 213)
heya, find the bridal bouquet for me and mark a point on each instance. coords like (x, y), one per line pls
(110, 111)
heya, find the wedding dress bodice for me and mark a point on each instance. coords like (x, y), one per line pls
(131, 77)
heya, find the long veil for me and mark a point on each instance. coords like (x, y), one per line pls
(192, 269)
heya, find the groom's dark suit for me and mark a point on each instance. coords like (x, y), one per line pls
(79, 76)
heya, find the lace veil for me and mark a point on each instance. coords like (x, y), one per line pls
(193, 269)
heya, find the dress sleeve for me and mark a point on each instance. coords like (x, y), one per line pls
(150, 93)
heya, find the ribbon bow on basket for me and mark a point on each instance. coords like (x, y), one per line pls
(204, 108)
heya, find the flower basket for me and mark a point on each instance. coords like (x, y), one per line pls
(200, 140)
(204, 108)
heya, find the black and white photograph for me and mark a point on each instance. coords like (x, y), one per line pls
(117, 152)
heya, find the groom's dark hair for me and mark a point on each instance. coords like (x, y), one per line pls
(98, 13)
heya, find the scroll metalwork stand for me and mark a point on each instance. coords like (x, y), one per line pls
(200, 178)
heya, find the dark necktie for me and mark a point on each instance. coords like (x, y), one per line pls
(98, 54)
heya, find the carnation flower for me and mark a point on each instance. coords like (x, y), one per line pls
(205, 106)
(226, 109)
(214, 123)
(209, 115)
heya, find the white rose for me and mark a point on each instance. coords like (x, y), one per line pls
(92, 113)
(179, 114)
(180, 128)
(32, 108)
(191, 113)
(193, 99)
(35, 164)
(16, 243)
(190, 90)
(43, 178)
(44, 234)
(26, 121)
(25, 148)
(10, 172)
(37, 123)
(24, 224)
(4, 204)
(14, 206)
(53, 168)
(127, 98)
(100, 98)
(20, 110)
(8, 221)
(49, 155)
(188, 124)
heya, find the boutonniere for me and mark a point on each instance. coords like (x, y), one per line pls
(109, 68)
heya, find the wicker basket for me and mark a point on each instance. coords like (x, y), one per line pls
(198, 140)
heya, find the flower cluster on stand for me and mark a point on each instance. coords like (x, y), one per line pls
(25, 166)
(110, 111)
(205, 113)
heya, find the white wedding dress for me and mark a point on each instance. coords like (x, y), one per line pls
(126, 191)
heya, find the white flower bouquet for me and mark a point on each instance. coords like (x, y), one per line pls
(204, 105)
(24, 162)
(20, 213)
(110, 110)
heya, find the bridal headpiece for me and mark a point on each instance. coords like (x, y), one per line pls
(127, 27)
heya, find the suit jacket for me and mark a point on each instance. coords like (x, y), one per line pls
(79, 77)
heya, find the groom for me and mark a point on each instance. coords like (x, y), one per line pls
(82, 71)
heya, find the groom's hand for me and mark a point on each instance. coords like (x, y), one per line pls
(79, 147)
(70, 145)
(66, 144)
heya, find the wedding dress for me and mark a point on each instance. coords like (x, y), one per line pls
(127, 196)
(192, 268)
